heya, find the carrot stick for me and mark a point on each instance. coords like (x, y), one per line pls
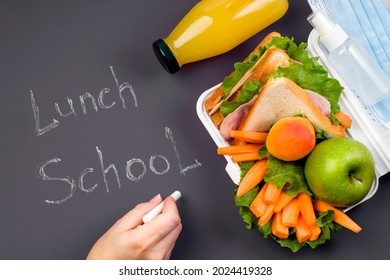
(253, 177)
(238, 149)
(258, 206)
(290, 213)
(306, 207)
(283, 200)
(303, 231)
(277, 228)
(250, 156)
(267, 215)
(315, 232)
(249, 136)
(272, 194)
(339, 216)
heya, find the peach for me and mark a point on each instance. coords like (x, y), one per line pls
(291, 138)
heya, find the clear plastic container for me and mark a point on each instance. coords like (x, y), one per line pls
(364, 127)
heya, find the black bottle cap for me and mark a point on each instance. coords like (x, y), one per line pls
(165, 56)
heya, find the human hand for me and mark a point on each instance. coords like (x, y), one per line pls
(129, 238)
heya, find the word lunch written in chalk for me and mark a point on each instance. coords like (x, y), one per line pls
(83, 98)
(70, 183)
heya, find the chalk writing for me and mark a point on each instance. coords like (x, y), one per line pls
(67, 179)
(121, 88)
(169, 136)
(105, 169)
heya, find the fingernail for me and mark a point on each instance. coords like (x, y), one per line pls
(156, 198)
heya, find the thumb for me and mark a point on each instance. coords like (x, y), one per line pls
(133, 218)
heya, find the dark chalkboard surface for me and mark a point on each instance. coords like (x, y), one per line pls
(91, 125)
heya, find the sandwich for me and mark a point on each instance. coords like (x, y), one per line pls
(278, 79)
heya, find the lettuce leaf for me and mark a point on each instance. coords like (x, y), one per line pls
(247, 198)
(244, 167)
(266, 230)
(289, 175)
(243, 203)
(248, 217)
(295, 52)
(240, 69)
(250, 89)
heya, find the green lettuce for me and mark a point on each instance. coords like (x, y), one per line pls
(287, 175)
(240, 68)
(243, 203)
(250, 89)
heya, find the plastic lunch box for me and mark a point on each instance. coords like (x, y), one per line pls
(365, 128)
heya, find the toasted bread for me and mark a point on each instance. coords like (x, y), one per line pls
(217, 95)
(281, 98)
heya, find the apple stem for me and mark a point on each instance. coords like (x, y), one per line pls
(356, 177)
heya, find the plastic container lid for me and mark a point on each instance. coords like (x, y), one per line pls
(165, 56)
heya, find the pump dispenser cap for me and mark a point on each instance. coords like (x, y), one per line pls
(331, 34)
(165, 56)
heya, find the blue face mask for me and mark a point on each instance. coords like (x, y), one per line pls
(368, 21)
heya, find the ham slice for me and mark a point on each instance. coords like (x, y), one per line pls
(322, 103)
(234, 119)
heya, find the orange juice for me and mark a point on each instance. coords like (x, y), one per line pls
(213, 27)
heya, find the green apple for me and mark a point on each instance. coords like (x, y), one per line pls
(340, 171)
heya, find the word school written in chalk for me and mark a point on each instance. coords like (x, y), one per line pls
(70, 183)
(96, 103)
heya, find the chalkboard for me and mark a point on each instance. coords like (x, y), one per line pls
(91, 125)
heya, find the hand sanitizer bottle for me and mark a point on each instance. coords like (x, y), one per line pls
(354, 64)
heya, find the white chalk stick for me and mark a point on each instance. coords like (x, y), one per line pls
(157, 210)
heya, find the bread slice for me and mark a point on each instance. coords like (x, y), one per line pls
(217, 95)
(281, 98)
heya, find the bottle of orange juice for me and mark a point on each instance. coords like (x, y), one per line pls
(213, 27)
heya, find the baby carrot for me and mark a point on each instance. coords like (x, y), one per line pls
(253, 177)
(249, 136)
(277, 228)
(258, 206)
(272, 193)
(303, 231)
(290, 213)
(238, 149)
(250, 156)
(306, 207)
(283, 200)
(315, 232)
(339, 216)
(267, 215)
